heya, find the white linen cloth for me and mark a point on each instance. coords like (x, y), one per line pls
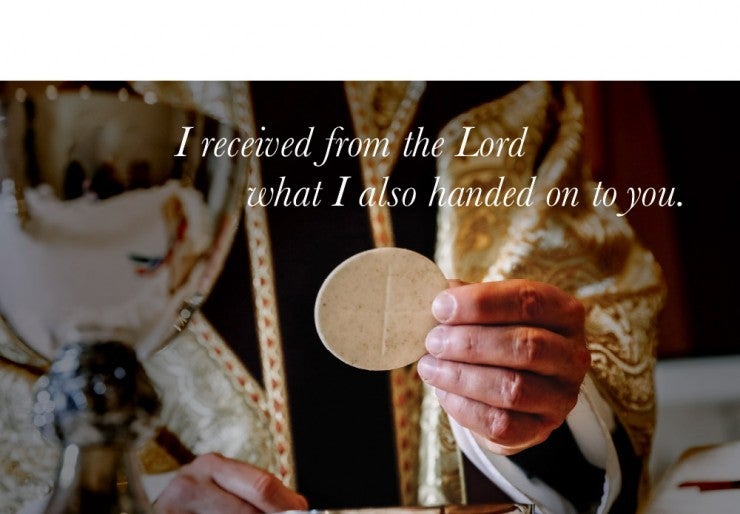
(69, 276)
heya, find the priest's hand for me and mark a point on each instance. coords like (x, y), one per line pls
(213, 483)
(507, 360)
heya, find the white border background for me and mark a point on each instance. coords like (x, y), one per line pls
(457, 39)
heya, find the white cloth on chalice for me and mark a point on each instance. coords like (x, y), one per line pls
(89, 269)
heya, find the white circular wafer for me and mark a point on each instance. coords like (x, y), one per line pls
(375, 309)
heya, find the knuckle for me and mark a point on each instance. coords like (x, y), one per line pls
(470, 343)
(512, 389)
(457, 375)
(266, 485)
(531, 302)
(500, 426)
(475, 340)
(529, 345)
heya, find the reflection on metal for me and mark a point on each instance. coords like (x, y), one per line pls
(84, 144)
(97, 400)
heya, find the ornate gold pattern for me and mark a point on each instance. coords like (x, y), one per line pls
(209, 400)
(618, 331)
(585, 250)
(382, 110)
(385, 110)
(266, 316)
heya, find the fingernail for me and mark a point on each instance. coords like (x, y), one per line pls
(443, 306)
(427, 367)
(435, 340)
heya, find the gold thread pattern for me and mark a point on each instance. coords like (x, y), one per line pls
(585, 250)
(266, 316)
(209, 400)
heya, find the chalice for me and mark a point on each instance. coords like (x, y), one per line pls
(113, 229)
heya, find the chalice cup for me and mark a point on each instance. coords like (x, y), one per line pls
(113, 229)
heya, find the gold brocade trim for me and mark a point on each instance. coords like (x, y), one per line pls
(469, 237)
(618, 330)
(266, 316)
(385, 110)
(382, 110)
(231, 102)
(210, 402)
(219, 351)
